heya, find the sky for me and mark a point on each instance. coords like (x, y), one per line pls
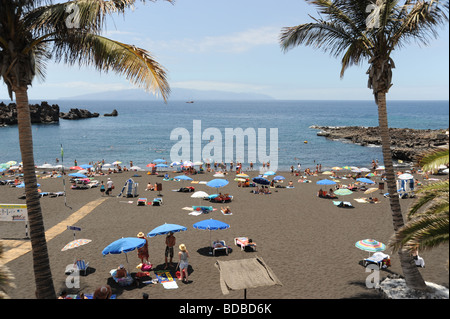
(233, 46)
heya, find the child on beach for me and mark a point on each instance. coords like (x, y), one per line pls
(183, 255)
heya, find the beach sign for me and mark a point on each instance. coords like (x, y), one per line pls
(14, 213)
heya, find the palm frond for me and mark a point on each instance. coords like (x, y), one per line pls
(427, 194)
(424, 233)
(137, 65)
(430, 161)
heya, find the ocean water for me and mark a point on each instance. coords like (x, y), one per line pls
(142, 131)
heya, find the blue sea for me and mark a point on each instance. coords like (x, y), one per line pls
(142, 131)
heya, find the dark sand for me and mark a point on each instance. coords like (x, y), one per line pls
(307, 241)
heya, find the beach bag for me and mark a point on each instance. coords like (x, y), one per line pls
(178, 274)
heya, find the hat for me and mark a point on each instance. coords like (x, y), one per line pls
(182, 247)
(141, 235)
(120, 266)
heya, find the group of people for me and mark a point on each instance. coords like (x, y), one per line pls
(183, 254)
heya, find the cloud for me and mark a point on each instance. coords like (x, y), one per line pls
(237, 42)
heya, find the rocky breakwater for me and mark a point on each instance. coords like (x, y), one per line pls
(406, 144)
(39, 113)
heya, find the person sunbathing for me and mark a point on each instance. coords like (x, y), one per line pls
(226, 210)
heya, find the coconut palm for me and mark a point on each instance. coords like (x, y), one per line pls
(428, 217)
(362, 31)
(31, 33)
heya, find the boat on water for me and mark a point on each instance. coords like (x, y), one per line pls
(190, 102)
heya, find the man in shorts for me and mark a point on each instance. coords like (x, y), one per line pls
(170, 242)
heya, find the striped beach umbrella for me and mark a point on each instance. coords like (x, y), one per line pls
(76, 243)
(370, 245)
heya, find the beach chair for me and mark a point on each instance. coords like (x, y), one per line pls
(219, 245)
(157, 201)
(380, 259)
(245, 243)
(142, 202)
(81, 265)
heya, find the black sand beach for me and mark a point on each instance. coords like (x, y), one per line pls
(307, 241)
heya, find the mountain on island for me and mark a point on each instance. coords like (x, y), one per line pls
(177, 94)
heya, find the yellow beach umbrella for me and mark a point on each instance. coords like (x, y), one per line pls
(336, 168)
(371, 190)
(327, 173)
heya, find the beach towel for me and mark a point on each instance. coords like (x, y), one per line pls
(163, 276)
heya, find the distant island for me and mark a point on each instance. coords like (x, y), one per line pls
(177, 94)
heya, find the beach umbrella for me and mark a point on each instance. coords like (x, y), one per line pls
(380, 168)
(218, 175)
(239, 179)
(327, 173)
(261, 180)
(187, 163)
(279, 178)
(183, 178)
(356, 170)
(445, 171)
(370, 175)
(76, 243)
(370, 245)
(364, 169)
(365, 180)
(217, 183)
(199, 194)
(371, 190)
(159, 160)
(84, 166)
(211, 224)
(269, 173)
(78, 175)
(116, 163)
(175, 163)
(2, 169)
(107, 165)
(162, 165)
(198, 163)
(336, 168)
(11, 163)
(325, 182)
(242, 175)
(165, 229)
(151, 165)
(124, 245)
(343, 191)
(346, 167)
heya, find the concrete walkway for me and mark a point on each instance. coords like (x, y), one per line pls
(14, 248)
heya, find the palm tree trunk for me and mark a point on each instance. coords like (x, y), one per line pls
(412, 275)
(41, 263)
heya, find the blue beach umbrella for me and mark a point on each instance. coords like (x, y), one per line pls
(165, 229)
(365, 180)
(217, 183)
(162, 165)
(159, 160)
(86, 166)
(124, 245)
(326, 182)
(183, 178)
(211, 224)
(261, 180)
(269, 173)
(279, 178)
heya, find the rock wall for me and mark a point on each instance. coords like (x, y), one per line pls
(39, 113)
(406, 144)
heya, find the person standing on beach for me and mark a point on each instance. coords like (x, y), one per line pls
(102, 188)
(170, 242)
(183, 255)
(143, 251)
(109, 186)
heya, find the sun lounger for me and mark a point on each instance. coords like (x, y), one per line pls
(157, 201)
(244, 243)
(219, 245)
(380, 259)
(142, 202)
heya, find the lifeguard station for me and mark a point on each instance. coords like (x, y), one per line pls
(130, 189)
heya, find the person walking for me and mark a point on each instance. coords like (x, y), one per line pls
(109, 186)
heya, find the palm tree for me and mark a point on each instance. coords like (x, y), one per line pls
(31, 33)
(351, 32)
(428, 217)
